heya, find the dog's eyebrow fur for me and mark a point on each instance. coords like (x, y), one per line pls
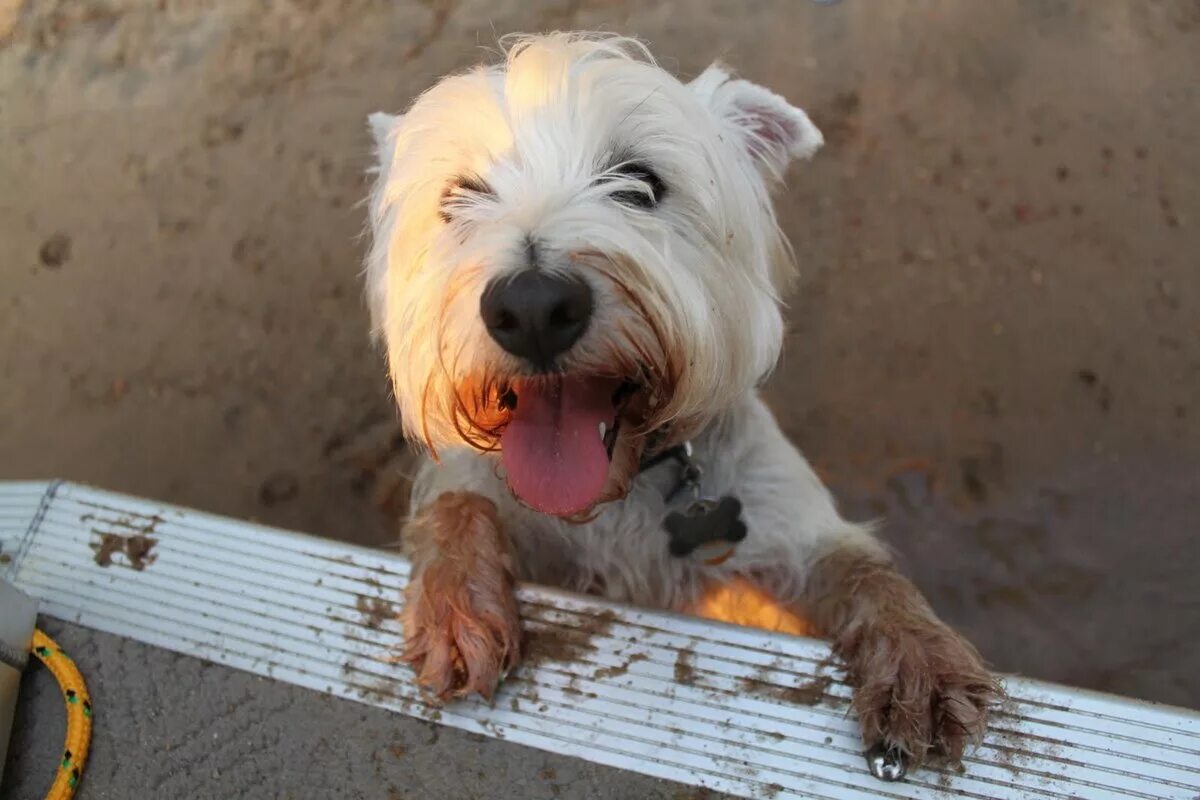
(615, 157)
(458, 186)
(622, 158)
(640, 169)
(467, 182)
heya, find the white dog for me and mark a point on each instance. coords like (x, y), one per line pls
(576, 270)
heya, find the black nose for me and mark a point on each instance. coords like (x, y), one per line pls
(536, 315)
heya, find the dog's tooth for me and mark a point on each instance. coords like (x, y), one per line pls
(603, 429)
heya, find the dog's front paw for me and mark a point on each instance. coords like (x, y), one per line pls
(921, 690)
(462, 634)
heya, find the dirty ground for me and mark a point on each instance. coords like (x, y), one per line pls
(995, 345)
(170, 726)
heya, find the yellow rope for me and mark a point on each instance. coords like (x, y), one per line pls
(79, 715)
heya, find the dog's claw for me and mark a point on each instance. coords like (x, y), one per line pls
(886, 763)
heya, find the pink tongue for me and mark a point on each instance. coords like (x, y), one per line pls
(551, 448)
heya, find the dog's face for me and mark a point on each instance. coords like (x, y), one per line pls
(574, 249)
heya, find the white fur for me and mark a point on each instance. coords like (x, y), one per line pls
(540, 128)
(623, 553)
(708, 266)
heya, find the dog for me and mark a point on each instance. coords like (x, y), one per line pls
(576, 272)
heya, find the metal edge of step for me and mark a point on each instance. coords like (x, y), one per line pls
(741, 711)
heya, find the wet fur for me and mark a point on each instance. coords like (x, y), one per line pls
(460, 614)
(920, 687)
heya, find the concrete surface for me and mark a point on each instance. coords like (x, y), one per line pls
(996, 344)
(169, 726)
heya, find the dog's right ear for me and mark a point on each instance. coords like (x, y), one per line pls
(382, 127)
(768, 127)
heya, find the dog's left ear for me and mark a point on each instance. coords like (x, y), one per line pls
(770, 128)
(382, 125)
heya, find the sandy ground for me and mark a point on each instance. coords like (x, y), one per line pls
(996, 344)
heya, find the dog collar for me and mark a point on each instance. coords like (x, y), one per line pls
(710, 527)
(689, 470)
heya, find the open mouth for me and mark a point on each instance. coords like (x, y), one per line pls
(559, 440)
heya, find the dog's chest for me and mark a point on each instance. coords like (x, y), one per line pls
(626, 552)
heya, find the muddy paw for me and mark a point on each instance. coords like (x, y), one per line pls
(460, 637)
(921, 691)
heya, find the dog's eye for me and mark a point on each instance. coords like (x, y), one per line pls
(640, 198)
(459, 189)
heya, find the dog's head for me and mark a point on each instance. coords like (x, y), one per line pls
(573, 250)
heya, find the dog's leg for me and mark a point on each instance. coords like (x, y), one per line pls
(461, 626)
(919, 687)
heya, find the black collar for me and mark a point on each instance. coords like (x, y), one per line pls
(689, 471)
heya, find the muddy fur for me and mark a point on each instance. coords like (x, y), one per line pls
(460, 614)
(919, 686)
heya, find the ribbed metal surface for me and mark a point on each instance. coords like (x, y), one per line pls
(736, 710)
(20, 504)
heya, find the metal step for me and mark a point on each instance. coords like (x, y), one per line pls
(737, 710)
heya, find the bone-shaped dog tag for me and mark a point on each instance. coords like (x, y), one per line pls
(705, 521)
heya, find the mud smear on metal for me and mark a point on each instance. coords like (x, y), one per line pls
(810, 693)
(807, 694)
(375, 610)
(684, 671)
(567, 645)
(620, 669)
(137, 550)
(142, 524)
(384, 690)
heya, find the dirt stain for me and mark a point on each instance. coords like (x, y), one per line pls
(685, 672)
(620, 669)
(142, 524)
(55, 251)
(566, 645)
(279, 487)
(375, 610)
(810, 693)
(137, 549)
